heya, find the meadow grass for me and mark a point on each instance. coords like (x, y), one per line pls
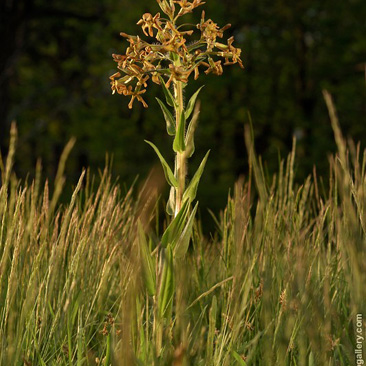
(279, 282)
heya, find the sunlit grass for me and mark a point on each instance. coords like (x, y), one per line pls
(279, 283)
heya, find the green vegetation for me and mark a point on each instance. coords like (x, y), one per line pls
(279, 283)
(112, 277)
(170, 60)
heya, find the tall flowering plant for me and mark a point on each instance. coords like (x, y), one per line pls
(172, 53)
(169, 60)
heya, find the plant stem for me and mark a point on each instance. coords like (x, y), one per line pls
(180, 159)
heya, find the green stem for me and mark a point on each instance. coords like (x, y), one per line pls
(180, 159)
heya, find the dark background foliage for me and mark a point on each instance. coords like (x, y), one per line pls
(55, 60)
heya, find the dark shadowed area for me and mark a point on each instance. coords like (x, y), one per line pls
(55, 60)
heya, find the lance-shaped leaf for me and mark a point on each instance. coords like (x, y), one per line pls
(167, 171)
(192, 102)
(191, 191)
(179, 143)
(147, 263)
(183, 242)
(175, 229)
(171, 202)
(167, 285)
(169, 119)
(168, 95)
(190, 135)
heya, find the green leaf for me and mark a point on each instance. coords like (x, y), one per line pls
(192, 102)
(169, 119)
(311, 359)
(167, 287)
(237, 357)
(191, 191)
(183, 241)
(170, 206)
(167, 171)
(190, 135)
(179, 144)
(175, 228)
(147, 263)
(168, 95)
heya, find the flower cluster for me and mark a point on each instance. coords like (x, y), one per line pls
(169, 54)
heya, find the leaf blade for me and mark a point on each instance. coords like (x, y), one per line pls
(192, 102)
(179, 143)
(183, 242)
(175, 228)
(190, 148)
(170, 123)
(148, 268)
(191, 191)
(171, 202)
(167, 171)
(166, 292)
(168, 95)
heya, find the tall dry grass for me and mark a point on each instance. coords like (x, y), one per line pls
(279, 283)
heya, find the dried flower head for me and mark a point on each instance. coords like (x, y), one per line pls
(170, 55)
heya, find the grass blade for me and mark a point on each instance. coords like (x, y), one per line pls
(211, 331)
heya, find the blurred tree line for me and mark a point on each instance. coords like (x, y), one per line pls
(55, 60)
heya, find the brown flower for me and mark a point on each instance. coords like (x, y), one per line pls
(214, 67)
(187, 7)
(137, 95)
(178, 73)
(210, 31)
(149, 22)
(170, 56)
(229, 52)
